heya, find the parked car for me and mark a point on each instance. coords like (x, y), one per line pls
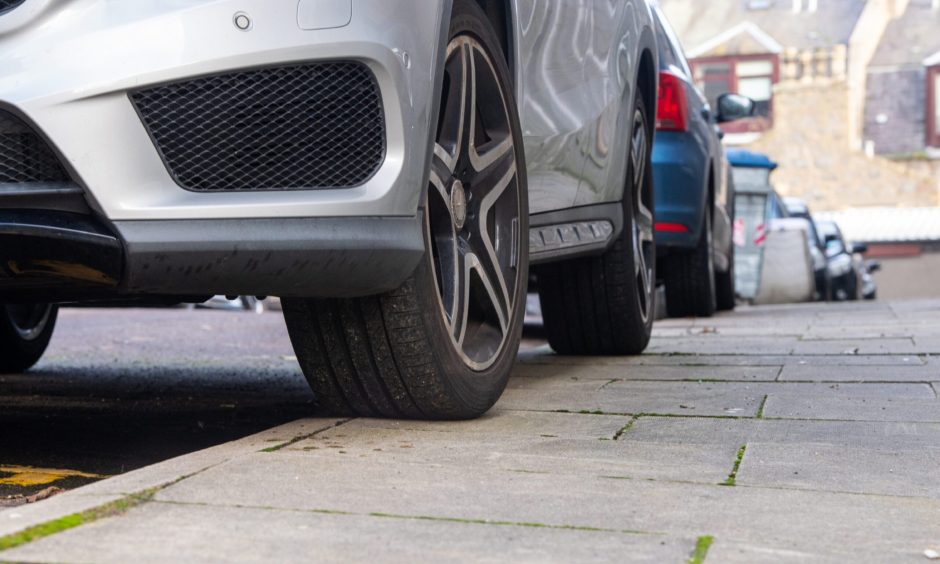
(844, 266)
(390, 172)
(756, 204)
(798, 208)
(869, 286)
(694, 212)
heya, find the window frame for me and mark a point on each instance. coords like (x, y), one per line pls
(933, 127)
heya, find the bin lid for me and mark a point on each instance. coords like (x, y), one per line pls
(749, 159)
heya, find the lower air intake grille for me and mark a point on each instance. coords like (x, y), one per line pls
(318, 125)
(24, 156)
(7, 5)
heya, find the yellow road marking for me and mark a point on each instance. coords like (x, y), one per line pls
(29, 476)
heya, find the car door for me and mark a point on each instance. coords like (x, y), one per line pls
(553, 42)
(609, 73)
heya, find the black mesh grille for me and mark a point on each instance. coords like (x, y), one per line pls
(318, 125)
(9, 4)
(24, 156)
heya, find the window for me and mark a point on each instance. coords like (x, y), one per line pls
(714, 79)
(755, 80)
(933, 106)
(751, 76)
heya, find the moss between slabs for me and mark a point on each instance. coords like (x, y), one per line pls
(701, 549)
(730, 480)
(61, 524)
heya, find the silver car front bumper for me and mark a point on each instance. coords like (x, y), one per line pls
(68, 66)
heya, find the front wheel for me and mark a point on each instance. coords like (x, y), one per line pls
(25, 331)
(442, 345)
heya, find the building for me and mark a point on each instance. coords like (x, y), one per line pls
(820, 73)
(902, 101)
(748, 46)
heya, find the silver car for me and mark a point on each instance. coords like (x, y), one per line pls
(390, 168)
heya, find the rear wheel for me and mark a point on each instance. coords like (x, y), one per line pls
(690, 277)
(25, 331)
(724, 285)
(442, 346)
(606, 304)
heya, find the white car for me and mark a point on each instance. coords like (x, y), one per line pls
(389, 168)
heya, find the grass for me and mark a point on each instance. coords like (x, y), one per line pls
(61, 524)
(730, 480)
(701, 549)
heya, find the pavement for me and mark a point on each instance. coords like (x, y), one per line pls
(773, 434)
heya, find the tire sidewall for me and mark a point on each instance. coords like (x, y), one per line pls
(19, 354)
(478, 390)
(629, 219)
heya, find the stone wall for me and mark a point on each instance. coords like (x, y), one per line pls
(894, 111)
(810, 141)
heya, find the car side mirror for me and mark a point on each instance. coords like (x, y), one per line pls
(733, 107)
(860, 248)
(874, 266)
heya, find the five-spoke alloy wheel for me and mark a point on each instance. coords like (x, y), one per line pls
(443, 344)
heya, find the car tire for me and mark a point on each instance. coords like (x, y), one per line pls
(25, 331)
(690, 278)
(441, 346)
(724, 286)
(606, 304)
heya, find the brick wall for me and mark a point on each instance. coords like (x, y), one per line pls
(810, 141)
(894, 111)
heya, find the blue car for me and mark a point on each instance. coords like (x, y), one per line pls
(693, 187)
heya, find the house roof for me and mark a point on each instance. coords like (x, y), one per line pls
(744, 38)
(698, 23)
(887, 225)
(910, 39)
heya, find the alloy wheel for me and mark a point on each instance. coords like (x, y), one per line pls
(28, 320)
(642, 201)
(473, 206)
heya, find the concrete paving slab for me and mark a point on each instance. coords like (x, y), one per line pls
(876, 435)
(853, 409)
(885, 471)
(247, 534)
(815, 373)
(645, 372)
(743, 553)
(857, 346)
(553, 450)
(677, 398)
(716, 345)
(836, 357)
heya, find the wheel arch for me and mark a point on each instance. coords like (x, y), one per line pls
(500, 13)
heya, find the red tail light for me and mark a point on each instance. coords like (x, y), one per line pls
(672, 113)
(667, 227)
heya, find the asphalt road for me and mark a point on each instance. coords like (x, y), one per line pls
(119, 389)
